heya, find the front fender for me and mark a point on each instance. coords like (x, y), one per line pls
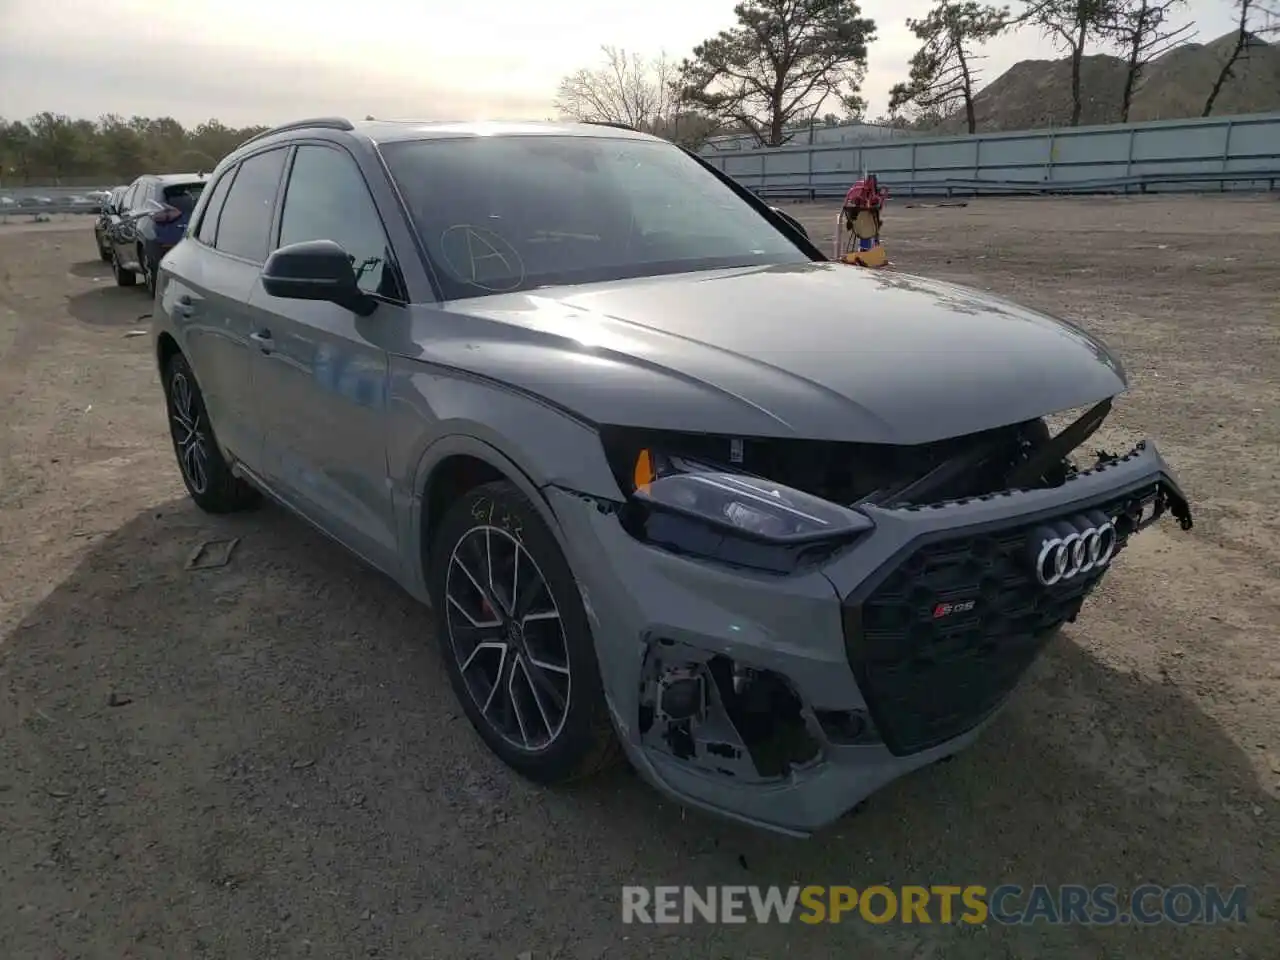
(435, 414)
(439, 451)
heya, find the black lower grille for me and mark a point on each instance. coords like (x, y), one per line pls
(930, 665)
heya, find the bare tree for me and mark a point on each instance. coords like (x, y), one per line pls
(1141, 29)
(780, 65)
(1073, 25)
(1246, 7)
(1270, 18)
(626, 88)
(943, 70)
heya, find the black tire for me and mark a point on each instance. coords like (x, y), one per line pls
(103, 252)
(148, 271)
(212, 485)
(124, 278)
(585, 742)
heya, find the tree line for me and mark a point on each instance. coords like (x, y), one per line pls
(51, 148)
(785, 65)
(782, 66)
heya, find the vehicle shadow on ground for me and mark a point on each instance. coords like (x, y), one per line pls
(110, 306)
(91, 269)
(268, 753)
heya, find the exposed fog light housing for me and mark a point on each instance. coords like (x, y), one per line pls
(723, 716)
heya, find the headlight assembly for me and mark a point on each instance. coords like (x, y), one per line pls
(705, 510)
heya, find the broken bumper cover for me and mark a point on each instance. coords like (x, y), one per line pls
(889, 656)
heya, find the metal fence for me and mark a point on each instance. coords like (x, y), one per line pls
(846, 133)
(1241, 152)
(35, 214)
(30, 203)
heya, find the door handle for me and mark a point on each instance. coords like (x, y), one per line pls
(185, 306)
(263, 339)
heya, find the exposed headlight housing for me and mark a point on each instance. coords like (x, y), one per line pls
(706, 510)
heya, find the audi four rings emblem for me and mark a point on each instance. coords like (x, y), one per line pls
(1069, 548)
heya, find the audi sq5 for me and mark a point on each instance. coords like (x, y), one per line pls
(776, 529)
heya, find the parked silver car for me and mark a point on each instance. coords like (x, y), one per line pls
(781, 529)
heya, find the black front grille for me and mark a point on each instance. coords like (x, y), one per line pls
(930, 675)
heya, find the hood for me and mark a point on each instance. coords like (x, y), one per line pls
(814, 350)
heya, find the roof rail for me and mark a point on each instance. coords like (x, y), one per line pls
(324, 123)
(612, 123)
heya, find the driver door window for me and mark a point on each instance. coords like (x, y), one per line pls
(327, 199)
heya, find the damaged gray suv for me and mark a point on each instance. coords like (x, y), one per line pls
(778, 529)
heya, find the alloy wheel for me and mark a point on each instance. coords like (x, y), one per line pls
(186, 422)
(507, 638)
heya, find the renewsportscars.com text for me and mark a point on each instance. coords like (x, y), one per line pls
(1068, 904)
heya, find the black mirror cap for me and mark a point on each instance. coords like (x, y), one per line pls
(315, 270)
(791, 221)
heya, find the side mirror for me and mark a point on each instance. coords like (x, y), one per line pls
(316, 270)
(791, 221)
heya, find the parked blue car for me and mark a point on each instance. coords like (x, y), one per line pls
(150, 220)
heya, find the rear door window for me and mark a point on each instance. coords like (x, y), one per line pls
(245, 223)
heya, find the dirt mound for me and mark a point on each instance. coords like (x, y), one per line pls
(1178, 84)
(1037, 93)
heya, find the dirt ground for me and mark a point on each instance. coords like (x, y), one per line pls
(265, 760)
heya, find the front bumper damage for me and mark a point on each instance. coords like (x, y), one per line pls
(784, 701)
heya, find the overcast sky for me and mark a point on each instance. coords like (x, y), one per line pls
(268, 61)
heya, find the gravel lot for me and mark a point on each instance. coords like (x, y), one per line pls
(265, 760)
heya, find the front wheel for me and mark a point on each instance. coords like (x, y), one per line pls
(516, 640)
(124, 276)
(205, 471)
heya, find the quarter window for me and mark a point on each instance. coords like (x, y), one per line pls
(208, 231)
(328, 199)
(245, 220)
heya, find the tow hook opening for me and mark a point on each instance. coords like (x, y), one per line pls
(723, 715)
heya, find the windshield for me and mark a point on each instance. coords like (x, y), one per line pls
(500, 214)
